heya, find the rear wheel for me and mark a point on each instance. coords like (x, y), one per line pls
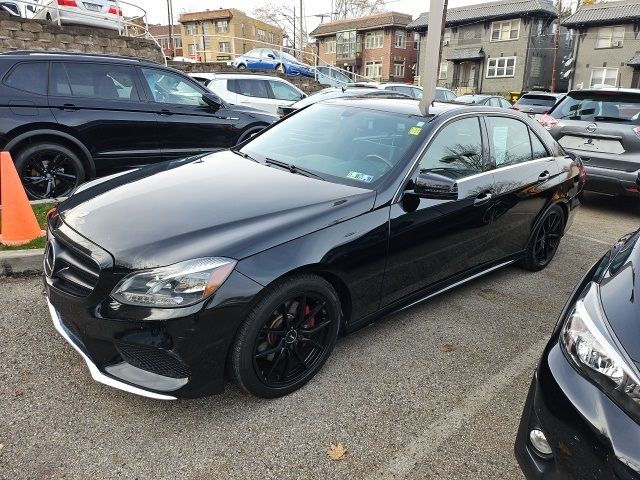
(242, 66)
(545, 240)
(280, 68)
(49, 170)
(287, 337)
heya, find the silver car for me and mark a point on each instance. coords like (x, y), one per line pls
(90, 13)
(602, 126)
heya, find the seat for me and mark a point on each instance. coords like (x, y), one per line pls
(105, 88)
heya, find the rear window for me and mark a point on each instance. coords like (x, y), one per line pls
(537, 100)
(615, 107)
(29, 77)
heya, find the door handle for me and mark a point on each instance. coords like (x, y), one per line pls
(164, 111)
(544, 176)
(69, 107)
(482, 199)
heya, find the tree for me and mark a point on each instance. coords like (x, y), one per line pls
(356, 8)
(283, 17)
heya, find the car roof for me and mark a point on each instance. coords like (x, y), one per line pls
(28, 54)
(477, 95)
(606, 89)
(216, 76)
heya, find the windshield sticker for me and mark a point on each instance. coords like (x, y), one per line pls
(415, 131)
(360, 176)
(420, 124)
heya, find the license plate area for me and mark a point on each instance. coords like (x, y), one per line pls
(590, 144)
(93, 7)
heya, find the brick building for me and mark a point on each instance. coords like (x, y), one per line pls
(378, 46)
(220, 35)
(161, 34)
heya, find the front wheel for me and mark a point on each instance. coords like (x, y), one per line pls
(545, 240)
(281, 68)
(287, 337)
(242, 66)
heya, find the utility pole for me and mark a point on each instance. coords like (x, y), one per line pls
(170, 17)
(294, 30)
(301, 30)
(556, 47)
(430, 68)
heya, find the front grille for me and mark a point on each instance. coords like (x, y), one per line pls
(153, 359)
(70, 271)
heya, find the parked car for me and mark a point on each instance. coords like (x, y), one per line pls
(487, 100)
(264, 92)
(442, 94)
(270, 59)
(581, 419)
(183, 60)
(252, 260)
(68, 117)
(330, 93)
(12, 8)
(94, 13)
(602, 126)
(332, 76)
(537, 103)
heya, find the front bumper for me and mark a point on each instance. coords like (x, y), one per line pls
(591, 438)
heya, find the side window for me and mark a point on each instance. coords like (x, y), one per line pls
(509, 141)
(282, 91)
(252, 88)
(504, 103)
(417, 93)
(169, 87)
(456, 151)
(494, 102)
(539, 150)
(29, 77)
(84, 80)
(440, 95)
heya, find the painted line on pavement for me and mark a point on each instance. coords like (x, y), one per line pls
(424, 445)
(591, 239)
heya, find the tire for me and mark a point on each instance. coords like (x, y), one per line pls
(242, 66)
(267, 359)
(281, 68)
(545, 240)
(49, 170)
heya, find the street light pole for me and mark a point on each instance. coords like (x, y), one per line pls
(170, 17)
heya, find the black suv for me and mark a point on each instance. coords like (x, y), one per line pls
(68, 117)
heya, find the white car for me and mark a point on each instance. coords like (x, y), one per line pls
(90, 13)
(442, 94)
(263, 92)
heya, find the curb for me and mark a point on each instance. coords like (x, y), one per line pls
(16, 262)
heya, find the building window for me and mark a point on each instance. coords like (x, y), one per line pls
(398, 69)
(401, 39)
(416, 40)
(222, 26)
(330, 46)
(501, 67)
(177, 42)
(444, 70)
(206, 43)
(373, 69)
(610, 37)
(446, 40)
(272, 38)
(374, 39)
(206, 28)
(501, 31)
(261, 34)
(224, 47)
(193, 49)
(191, 29)
(604, 76)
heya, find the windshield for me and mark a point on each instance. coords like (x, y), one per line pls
(537, 100)
(616, 107)
(319, 96)
(341, 143)
(288, 58)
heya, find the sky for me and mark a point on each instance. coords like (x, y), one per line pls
(157, 9)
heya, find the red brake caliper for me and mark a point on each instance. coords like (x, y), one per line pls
(312, 321)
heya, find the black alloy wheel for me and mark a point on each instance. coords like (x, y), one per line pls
(546, 239)
(49, 171)
(287, 338)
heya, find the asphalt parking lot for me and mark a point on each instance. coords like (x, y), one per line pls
(433, 392)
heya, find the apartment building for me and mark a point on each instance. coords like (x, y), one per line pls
(378, 46)
(161, 34)
(220, 35)
(607, 45)
(496, 47)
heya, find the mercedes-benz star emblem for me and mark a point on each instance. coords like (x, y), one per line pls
(49, 259)
(592, 127)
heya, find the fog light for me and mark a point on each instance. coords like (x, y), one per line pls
(539, 442)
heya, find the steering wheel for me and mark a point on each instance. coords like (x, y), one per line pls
(379, 158)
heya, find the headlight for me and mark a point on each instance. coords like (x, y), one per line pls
(588, 341)
(177, 285)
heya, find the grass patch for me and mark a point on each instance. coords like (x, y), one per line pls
(41, 214)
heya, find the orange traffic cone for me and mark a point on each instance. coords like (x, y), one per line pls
(18, 224)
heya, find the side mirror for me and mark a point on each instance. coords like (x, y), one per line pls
(212, 100)
(271, 56)
(435, 186)
(31, 8)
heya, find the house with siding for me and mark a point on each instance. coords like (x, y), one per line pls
(376, 46)
(606, 47)
(496, 47)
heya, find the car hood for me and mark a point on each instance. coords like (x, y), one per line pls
(619, 292)
(218, 205)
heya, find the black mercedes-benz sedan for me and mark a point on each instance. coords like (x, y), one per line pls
(581, 420)
(252, 260)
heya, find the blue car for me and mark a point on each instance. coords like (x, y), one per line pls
(269, 59)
